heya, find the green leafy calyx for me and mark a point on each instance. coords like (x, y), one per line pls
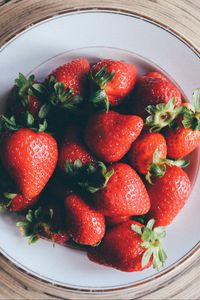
(152, 242)
(5, 200)
(24, 88)
(162, 114)
(37, 223)
(26, 121)
(102, 77)
(91, 177)
(191, 117)
(99, 81)
(59, 96)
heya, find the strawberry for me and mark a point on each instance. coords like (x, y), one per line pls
(23, 98)
(30, 159)
(142, 151)
(110, 135)
(16, 202)
(73, 75)
(112, 81)
(85, 225)
(65, 86)
(185, 137)
(46, 223)
(124, 194)
(131, 247)
(72, 149)
(152, 91)
(181, 141)
(168, 195)
(110, 221)
(182, 132)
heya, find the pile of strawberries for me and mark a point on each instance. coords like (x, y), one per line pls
(93, 156)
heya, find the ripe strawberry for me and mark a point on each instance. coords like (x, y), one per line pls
(46, 223)
(131, 247)
(143, 149)
(65, 86)
(23, 98)
(181, 141)
(186, 137)
(168, 195)
(30, 159)
(152, 91)
(183, 135)
(16, 202)
(72, 149)
(73, 75)
(85, 225)
(110, 135)
(124, 194)
(114, 220)
(112, 81)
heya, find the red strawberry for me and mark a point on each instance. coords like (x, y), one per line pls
(16, 202)
(72, 149)
(66, 85)
(73, 75)
(152, 91)
(184, 138)
(181, 141)
(30, 159)
(110, 135)
(23, 98)
(10, 198)
(46, 223)
(168, 195)
(59, 238)
(183, 135)
(124, 194)
(85, 225)
(110, 221)
(130, 247)
(143, 149)
(112, 81)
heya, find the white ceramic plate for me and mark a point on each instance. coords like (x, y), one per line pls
(98, 34)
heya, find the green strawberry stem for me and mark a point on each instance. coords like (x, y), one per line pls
(158, 167)
(89, 177)
(99, 81)
(37, 222)
(152, 241)
(162, 114)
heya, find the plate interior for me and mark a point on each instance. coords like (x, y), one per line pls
(97, 35)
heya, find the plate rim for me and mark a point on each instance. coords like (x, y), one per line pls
(190, 253)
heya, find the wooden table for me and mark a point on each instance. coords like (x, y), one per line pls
(182, 16)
